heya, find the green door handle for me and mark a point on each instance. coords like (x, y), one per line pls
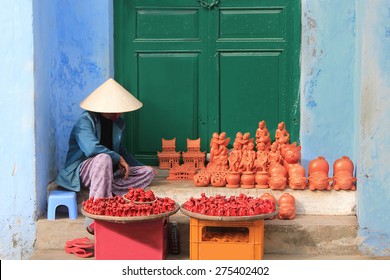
(207, 5)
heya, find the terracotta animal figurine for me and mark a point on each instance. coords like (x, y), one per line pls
(277, 177)
(343, 178)
(286, 207)
(297, 177)
(291, 154)
(318, 174)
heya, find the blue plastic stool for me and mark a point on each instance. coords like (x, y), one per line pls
(59, 197)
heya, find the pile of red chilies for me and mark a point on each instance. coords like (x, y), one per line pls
(233, 206)
(118, 207)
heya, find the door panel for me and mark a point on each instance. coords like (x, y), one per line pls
(249, 88)
(255, 23)
(200, 70)
(170, 101)
(167, 24)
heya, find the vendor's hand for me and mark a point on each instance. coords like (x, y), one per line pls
(124, 167)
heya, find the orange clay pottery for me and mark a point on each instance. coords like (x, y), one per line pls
(247, 180)
(270, 197)
(233, 179)
(320, 164)
(276, 169)
(343, 174)
(318, 174)
(277, 182)
(291, 154)
(261, 179)
(218, 178)
(286, 207)
(202, 179)
(277, 177)
(297, 177)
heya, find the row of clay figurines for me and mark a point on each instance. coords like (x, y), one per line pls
(274, 165)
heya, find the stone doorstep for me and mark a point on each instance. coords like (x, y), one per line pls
(305, 235)
(307, 202)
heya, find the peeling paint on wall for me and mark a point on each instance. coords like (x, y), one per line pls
(374, 169)
(79, 65)
(327, 79)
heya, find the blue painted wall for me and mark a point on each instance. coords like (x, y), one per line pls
(57, 52)
(73, 55)
(82, 58)
(328, 60)
(45, 38)
(17, 145)
(374, 168)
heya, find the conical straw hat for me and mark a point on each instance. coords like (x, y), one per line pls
(110, 97)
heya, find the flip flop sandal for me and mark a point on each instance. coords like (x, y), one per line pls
(79, 252)
(83, 242)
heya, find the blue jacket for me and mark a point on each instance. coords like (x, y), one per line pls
(84, 143)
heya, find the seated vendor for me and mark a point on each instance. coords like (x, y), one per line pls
(96, 158)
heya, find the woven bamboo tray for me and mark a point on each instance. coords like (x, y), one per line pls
(229, 218)
(131, 219)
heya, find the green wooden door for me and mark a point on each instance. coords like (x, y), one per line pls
(200, 69)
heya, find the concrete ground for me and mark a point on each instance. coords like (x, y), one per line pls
(57, 254)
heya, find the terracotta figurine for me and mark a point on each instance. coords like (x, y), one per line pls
(281, 134)
(262, 135)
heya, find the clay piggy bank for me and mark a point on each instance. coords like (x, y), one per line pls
(318, 174)
(291, 154)
(286, 207)
(277, 182)
(297, 177)
(270, 197)
(343, 174)
(278, 177)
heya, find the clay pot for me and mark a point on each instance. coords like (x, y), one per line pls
(261, 179)
(247, 180)
(286, 207)
(233, 179)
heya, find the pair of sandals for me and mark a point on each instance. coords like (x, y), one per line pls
(80, 247)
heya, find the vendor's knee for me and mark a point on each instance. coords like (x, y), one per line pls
(104, 161)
